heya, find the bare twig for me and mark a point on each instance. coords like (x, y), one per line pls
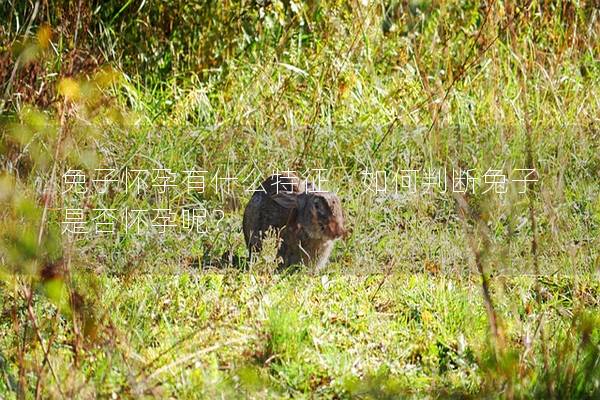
(49, 192)
(190, 357)
(38, 385)
(465, 214)
(28, 296)
(388, 271)
(533, 221)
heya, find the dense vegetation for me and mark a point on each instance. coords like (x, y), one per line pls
(490, 290)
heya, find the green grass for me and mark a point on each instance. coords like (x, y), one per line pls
(206, 333)
(399, 311)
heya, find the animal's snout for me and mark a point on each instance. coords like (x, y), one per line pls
(336, 229)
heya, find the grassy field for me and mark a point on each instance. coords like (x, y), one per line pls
(439, 290)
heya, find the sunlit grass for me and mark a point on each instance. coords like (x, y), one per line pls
(344, 87)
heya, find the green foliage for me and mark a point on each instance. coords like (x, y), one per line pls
(261, 85)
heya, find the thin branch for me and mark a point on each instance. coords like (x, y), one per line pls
(388, 272)
(465, 214)
(189, 357)
(28, 295)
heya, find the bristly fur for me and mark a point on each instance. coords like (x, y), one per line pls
(307, 220)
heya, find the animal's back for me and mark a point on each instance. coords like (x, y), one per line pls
(264, 212)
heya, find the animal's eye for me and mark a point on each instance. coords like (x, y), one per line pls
(318, 204)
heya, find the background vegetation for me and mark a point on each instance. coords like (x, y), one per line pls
(434, 294)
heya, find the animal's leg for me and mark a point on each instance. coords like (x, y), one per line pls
(254, 245)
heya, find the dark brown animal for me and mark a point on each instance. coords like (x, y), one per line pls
(307, 220)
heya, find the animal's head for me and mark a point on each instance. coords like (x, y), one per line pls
(320, 216)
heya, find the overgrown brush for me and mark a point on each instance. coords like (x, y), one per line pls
(436, 292)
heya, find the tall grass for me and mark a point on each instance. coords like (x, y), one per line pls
(434, 293)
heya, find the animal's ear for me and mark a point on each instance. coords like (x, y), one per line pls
(286, 200)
